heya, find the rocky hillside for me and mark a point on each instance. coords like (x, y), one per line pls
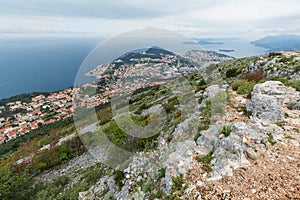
(233, 133)
(245, 143)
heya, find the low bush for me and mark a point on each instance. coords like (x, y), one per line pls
(243, 86)
(177, 182)
(297, 67)
(232, 72)
(226, 130)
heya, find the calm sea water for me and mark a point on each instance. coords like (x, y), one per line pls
(50, 64)
(28, 65)
(242, 48)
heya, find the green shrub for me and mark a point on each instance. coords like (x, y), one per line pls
(288, 137)
(218, 102)
(119, 176)
(239, 70)
(158, 195)
(235, 85)
(41, 143)
(226, 130)
(232, 72)
(177, 182)
(294, 84)
(201, 98)
(206, 114)
(246, 112)
(286, 59)
(297, 67)
(243, 86)
(246, 88)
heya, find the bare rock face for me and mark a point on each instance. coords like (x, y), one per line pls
(228, 152)
(268, 99)
(213, 90)
(208, 138)
(229, 155)
(180, 161)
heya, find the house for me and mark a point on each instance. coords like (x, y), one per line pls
(12, 135)
(38, 98)
(34, 125)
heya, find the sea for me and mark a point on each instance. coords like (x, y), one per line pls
(241, 47)
(41, 64)
(51, 63)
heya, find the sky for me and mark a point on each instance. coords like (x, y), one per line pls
(194, 18)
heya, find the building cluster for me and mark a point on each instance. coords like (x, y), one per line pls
(28, 116)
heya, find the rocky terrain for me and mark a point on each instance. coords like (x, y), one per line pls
(258, 160)
(233, 133)
(248, 151)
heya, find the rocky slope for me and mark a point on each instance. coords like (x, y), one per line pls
(234, 136)
(257, 158)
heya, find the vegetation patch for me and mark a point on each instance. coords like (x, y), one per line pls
(255, 76)
(205, 119)
(226, 130)
(291, 83)
(271, 139)
(243, 87)
(206, 161)
(246, 111)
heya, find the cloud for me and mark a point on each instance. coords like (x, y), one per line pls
(125, 9)
(201, 17)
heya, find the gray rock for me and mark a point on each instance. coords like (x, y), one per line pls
(123, 194)
(267, 101)
(213, 90)
(229, 155)
(208, 138)
(179, 162)
(250, 153)
(198, 94)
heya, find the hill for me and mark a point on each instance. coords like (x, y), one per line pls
(279, 42)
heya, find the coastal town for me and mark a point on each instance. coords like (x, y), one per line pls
(155, 66)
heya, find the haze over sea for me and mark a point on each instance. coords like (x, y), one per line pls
(50, 64)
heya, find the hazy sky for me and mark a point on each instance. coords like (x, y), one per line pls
(195, 18)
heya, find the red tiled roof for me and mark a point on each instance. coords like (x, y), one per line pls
(11, 134)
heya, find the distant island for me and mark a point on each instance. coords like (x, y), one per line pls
(207, 41)
(226, 50)
(283, 42)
